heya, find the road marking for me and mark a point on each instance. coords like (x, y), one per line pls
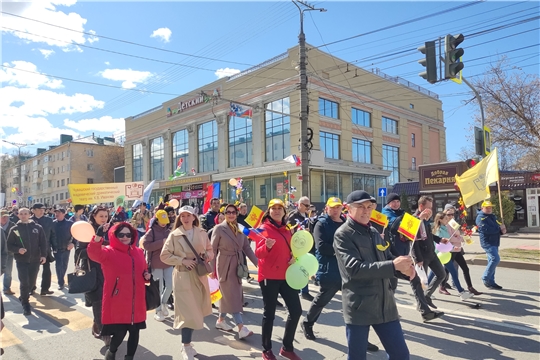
(8, 339)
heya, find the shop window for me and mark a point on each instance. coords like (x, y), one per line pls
(389, 125)
(137, 163)
(328, 108)
(208, 146)
(361, 117)
(157, 155)
(361, 151)
(329, 145)
(89, 181)
(240, 141)
(277, 128)
(180, 150)
(391, 162)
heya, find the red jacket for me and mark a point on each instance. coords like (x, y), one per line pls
(273, 263)
(124, 292)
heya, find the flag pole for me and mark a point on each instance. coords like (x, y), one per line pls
(500, 201)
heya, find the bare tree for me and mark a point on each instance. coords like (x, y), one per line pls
(111, 156)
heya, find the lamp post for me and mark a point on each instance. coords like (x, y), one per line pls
(19, 146)
(304, 101)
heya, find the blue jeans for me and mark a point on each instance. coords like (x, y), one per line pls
(493, 258)
(390, 334)
(237, 317)
(62, 259)
(9, 271)
(453, 273)
(165, 283)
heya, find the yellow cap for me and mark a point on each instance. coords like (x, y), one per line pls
(162, 217)
(333, 201)
(487, 203)
(276, 202)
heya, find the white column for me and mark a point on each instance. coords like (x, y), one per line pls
(167, 154)
(223, 142)
(193, 158)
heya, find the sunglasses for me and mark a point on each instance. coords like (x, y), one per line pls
(124, 235)
(450, 215)
(231, 212)
(306, 205)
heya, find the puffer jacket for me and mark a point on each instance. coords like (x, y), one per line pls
(153, 242)
(273, 263)
(31, 237)
(123, 266)
(323, 235)
(366, 271)
(488, 229)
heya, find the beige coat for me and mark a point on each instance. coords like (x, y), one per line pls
(191, 291)
(228, 248)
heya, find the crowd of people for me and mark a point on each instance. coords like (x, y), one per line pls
(182, 250)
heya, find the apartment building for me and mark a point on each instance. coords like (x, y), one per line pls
(45, 176)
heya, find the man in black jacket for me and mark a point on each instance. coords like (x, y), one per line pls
(47, 224)
(63, 245)
(7, 263)
(210, 216)
(27, 242)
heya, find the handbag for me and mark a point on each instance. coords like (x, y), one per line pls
(153, 297)
(50, 257)
(82, 281)
(203, 268)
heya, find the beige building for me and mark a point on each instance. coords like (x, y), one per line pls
(370, 130)
(47, 174)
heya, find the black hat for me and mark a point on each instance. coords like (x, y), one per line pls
(391, 197)
(38, 206)
(359, 196)
(63, 211)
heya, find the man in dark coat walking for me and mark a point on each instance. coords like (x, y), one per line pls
(47, 224)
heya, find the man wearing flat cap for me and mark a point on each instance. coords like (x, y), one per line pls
(38, 211)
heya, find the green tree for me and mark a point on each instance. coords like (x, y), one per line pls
(508, 206)
(405, 202)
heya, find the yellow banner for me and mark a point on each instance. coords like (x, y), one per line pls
(409, 226)
(474, 183)
(84, 194)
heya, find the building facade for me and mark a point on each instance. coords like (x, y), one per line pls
(46, 176)
(368, 130)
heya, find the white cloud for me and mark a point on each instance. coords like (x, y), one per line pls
(33, 130)
(103, 124)
(107, 63)
(46, 11)
(27, 79)
(221, 73)
(92, 39)
(46, 53)
(128, 77)
(164, 34)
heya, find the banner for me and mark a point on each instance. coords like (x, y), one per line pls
(474, 183)
(84, 194)
(409, 226)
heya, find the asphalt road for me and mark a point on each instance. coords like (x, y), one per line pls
(507, 326)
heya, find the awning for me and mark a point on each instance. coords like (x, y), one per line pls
(409, 188)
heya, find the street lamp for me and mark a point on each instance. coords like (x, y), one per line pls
(19, 146)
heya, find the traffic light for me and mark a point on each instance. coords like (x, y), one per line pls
(430, 62)
(452, 55)
(470, 163)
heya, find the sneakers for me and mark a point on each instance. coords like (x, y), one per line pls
(268, 355)
(60, 287)
(430, 302)
(223, 326)
(244, 333)
(307, 296)
(473, 291)
(308, 331)
(187, 352)
(27, 310)
(465, 295)
(432, 315)
(159, 316)
(443, 291)
(164, 310)
(288, 355)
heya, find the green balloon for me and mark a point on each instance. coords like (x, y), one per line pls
(297, 276)
(301, 243)
(310, 263)
(444, 257)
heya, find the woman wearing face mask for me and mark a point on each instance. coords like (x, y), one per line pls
(229, 243)
(124, 293)
(191, 291)
(99, 216)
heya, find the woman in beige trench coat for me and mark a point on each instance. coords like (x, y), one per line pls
(228, 244)
(191, 291)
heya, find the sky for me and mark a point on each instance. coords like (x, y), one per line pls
(114, 50)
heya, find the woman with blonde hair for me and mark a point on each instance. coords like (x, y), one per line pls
(184, 245)
(229, 243)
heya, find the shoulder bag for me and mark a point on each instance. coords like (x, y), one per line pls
(242, 270)
(81, 281)
(203, 268)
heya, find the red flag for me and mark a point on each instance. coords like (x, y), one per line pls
(180, 162)
(209, 194)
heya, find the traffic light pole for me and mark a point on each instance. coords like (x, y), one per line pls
(477, 94)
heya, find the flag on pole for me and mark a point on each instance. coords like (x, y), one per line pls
(454, 224)
(379, 218)
(409, 226)
(474, 183)
(209, 195)
(293, 159)
(254, 217)
(240, 111)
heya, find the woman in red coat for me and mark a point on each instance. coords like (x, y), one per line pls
(275, 256)
(124, 295)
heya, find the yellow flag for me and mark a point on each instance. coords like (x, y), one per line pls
(409, 226)
(379, 218)
(474, 183)
(254, 217)
(454, 224)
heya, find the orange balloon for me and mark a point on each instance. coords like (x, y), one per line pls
(82, 231)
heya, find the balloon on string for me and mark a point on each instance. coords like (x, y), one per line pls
(301, 243)
(309, 262)
(444, 257)
(297, 276)
(233, 182)
(444, 248)
(82, 231)
(174, 203)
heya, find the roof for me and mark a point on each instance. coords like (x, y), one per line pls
(409, 188)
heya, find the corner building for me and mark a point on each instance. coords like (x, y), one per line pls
(370, 130)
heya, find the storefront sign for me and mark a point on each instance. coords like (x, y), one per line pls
(203, 98)
(197, 194)
(193, 187)
(440, 177)
(84, 194)
(177, 189)
(521, 180)
(185, 180)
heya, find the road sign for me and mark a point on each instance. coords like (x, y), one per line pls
(382, 192)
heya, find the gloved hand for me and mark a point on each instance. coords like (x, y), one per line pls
(101, 231)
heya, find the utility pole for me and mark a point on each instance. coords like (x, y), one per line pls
(19, 146)
(304, 101)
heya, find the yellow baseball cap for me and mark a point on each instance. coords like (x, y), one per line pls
(333, 201)
(487, 203)
(162, 217)
(276, 202)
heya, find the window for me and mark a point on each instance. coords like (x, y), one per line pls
(240, 141)
(63, 182)
(137, 162)
(90, 152)
(361, 117)
(63, 153)
(67, 195)
(413, 140)
(67, 181)
(89, 167)
(57, 183)
(61, 196)
(389, 125)
(411, 106)
(278, 129)
(208, 146)
(89, 181)
(330, 145)
(413, 163)
(180, 149)
(63, 168)
(328, 108)
(361, 151)
(157, 157)
(56, 196)
(391, 162)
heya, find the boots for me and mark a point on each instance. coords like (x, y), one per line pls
(473, 291)
(110, 355)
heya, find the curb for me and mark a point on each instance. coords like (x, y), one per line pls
(507, 264)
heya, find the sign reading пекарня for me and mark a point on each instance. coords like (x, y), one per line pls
(84, 194)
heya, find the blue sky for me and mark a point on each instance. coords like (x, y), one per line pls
(224, 37)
